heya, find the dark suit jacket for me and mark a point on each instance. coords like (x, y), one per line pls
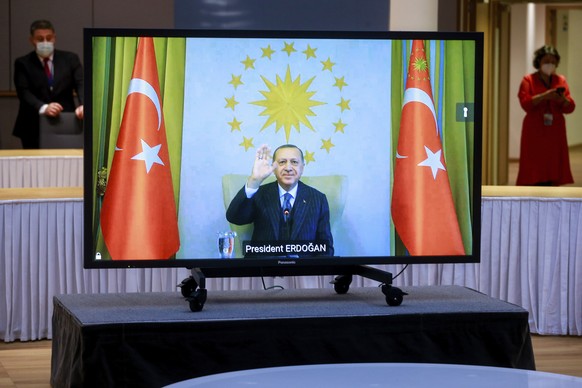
(309, 216)
(33, 89)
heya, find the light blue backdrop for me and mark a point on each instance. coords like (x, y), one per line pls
(212, 147)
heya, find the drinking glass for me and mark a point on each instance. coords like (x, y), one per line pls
(226, 244)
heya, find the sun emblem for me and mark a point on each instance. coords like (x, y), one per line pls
(420, 65)
(287, 103)
(290, 100)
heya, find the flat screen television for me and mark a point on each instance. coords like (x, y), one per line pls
(389, 125)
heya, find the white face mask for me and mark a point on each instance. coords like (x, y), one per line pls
(45, 49)
(548, 69)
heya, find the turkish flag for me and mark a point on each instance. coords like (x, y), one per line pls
(138, 217)
(422, 204)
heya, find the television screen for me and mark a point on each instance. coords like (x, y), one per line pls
(381, 136)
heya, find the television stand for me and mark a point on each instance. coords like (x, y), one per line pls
(193, 288)
(394, 295)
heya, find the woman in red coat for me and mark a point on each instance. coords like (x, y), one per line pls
(545, 97)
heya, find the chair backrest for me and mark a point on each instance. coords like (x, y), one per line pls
(333, 186)
(64, 131)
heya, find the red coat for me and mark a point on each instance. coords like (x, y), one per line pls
(544, 148)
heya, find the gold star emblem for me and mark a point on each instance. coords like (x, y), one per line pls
(230, 102)
(249, 63)
(247, 143)
(339, 126)
(235, 125)
(289, 49)
(267, 52)
(309, 157)
(344, 104)
(236, 80)
(326, 144)
(309, 52)
(340, 83)
(328, 64)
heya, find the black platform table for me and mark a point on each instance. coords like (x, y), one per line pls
(153, 339)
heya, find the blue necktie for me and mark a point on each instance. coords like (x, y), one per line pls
(287, 206)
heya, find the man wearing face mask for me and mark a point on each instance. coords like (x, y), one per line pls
(545, 97)
(46, 81)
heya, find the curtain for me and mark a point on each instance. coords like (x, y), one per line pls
(41, 171)
(531, 255)
(113, 61)
(452, 68)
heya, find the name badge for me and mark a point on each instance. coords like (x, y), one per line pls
(548, 119)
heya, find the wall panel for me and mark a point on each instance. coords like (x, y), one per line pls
(133, 14)
(4, 45)
(321, 15)
(68, 16)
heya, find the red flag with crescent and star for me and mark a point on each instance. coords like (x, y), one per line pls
(422, 203)
(138, 217)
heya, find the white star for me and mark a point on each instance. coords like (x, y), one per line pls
(149, 155)
(433, 160)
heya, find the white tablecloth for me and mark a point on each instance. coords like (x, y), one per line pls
(531, 255)
(41, 168)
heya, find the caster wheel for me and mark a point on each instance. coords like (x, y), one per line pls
(195, 305)
(341, 283)
(197, 300)
(394, 300)
(394, 295)
(188, 286)
(341, 288)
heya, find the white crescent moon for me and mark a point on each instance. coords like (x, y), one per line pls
(419, 95)
(138, 85)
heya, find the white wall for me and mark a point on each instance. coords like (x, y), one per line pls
(570, 49)
(517, 68)
(527, 34)
(414, 15)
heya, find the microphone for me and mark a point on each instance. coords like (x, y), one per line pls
(286, 207)
(285, 233)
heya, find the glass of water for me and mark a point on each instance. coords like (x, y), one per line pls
(226, 244)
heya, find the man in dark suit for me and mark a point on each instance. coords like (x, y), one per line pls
(45, 81)
(304, 217)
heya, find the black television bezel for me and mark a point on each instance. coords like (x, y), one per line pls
(216, 267)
